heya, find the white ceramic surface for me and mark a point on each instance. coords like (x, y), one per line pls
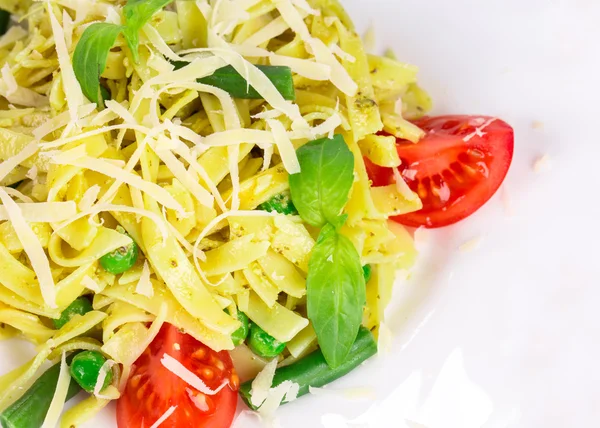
(505, 335)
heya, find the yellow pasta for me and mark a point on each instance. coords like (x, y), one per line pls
(279, 322)
(261, 285)
(233, 255)
(281, 272)
(293, 241)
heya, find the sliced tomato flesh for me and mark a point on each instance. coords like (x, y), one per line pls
(455, 169)
(152, 389)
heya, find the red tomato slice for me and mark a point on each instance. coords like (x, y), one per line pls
(152, 389)
(455, 169)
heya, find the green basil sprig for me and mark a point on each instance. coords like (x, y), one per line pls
(335, 285)
(137, 14)
(321, 190)
(89, 59)
(336, 294)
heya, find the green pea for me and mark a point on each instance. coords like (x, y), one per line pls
(120, 260)
(85, 369)
(80, 306)
(281, 203)
(263, 344)
(239, 336)
(367, 272)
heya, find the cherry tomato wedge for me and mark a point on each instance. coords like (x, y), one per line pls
(152, 389)
(455, 169)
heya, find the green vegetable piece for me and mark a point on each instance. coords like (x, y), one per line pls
(80, 306)
(281, 203)
(120, 260)
(30, 410)
(85, 369)
(367, 272)
(320, 191)
(239, 336)
(137, 13)
(89, 59)
(4, 21)
(263, 344)
(314, 371)
(105, 93)
(228, 79)
(336, 294)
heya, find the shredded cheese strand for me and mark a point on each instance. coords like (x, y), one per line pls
(32, 247)
(189, 377)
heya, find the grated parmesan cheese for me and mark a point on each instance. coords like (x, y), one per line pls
(164, 417)
(106, 367)
(285, 392)
(9, 80)
(32, 247)
(342, 54)
(262, 384)
(60, 395)
(120, 111)
(71, 86)
(144, 286)
(199, 400)
(16, 94)
(89, 198)
(183, 175)
(537, 124)
(303, 67)
(542, 163)
(273, 29)
(285, 146)
(402, 187)
(304, 6)
(470, 245)
(61, 120)
(106, 167)
(43, 212)
(98, 208)
(90, 284)
(339, 76)
(479, 131)
(11, 163)
(14, 34)
(256, 78)
(189, 377)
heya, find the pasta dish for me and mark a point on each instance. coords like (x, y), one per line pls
(206, 199)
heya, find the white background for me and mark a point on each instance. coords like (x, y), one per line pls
(507, 335)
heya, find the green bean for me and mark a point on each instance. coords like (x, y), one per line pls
(80, 306)
(313, 370)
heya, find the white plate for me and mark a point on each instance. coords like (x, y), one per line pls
(505, 335)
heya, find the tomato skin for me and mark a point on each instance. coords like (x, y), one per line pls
(455, 169)
(152, 389)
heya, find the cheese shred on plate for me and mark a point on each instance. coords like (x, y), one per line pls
(60, 394)
(188, 155)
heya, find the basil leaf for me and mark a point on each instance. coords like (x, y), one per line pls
(320, 191)
(336, 294)
(137, 13)
(89, 59)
